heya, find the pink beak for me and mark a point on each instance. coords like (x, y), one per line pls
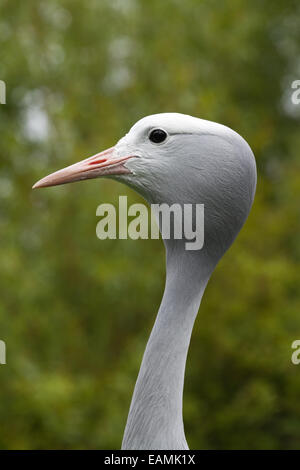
(101, 164)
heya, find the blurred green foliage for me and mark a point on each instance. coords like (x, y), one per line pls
(75, 311)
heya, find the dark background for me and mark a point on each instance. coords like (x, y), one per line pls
(75, 312)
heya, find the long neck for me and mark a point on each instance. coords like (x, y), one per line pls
(155, 415)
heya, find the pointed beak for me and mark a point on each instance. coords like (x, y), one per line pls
(102, 164)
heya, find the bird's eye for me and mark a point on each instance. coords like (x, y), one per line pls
(157, 136)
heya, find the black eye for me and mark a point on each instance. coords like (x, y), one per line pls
(157, 136)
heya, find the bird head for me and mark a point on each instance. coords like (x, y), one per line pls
(175, 158)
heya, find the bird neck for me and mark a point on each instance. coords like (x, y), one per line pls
(155, 416)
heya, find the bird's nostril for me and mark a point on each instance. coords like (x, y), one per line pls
(101, 160)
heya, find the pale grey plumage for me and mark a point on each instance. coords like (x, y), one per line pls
(203, 162)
